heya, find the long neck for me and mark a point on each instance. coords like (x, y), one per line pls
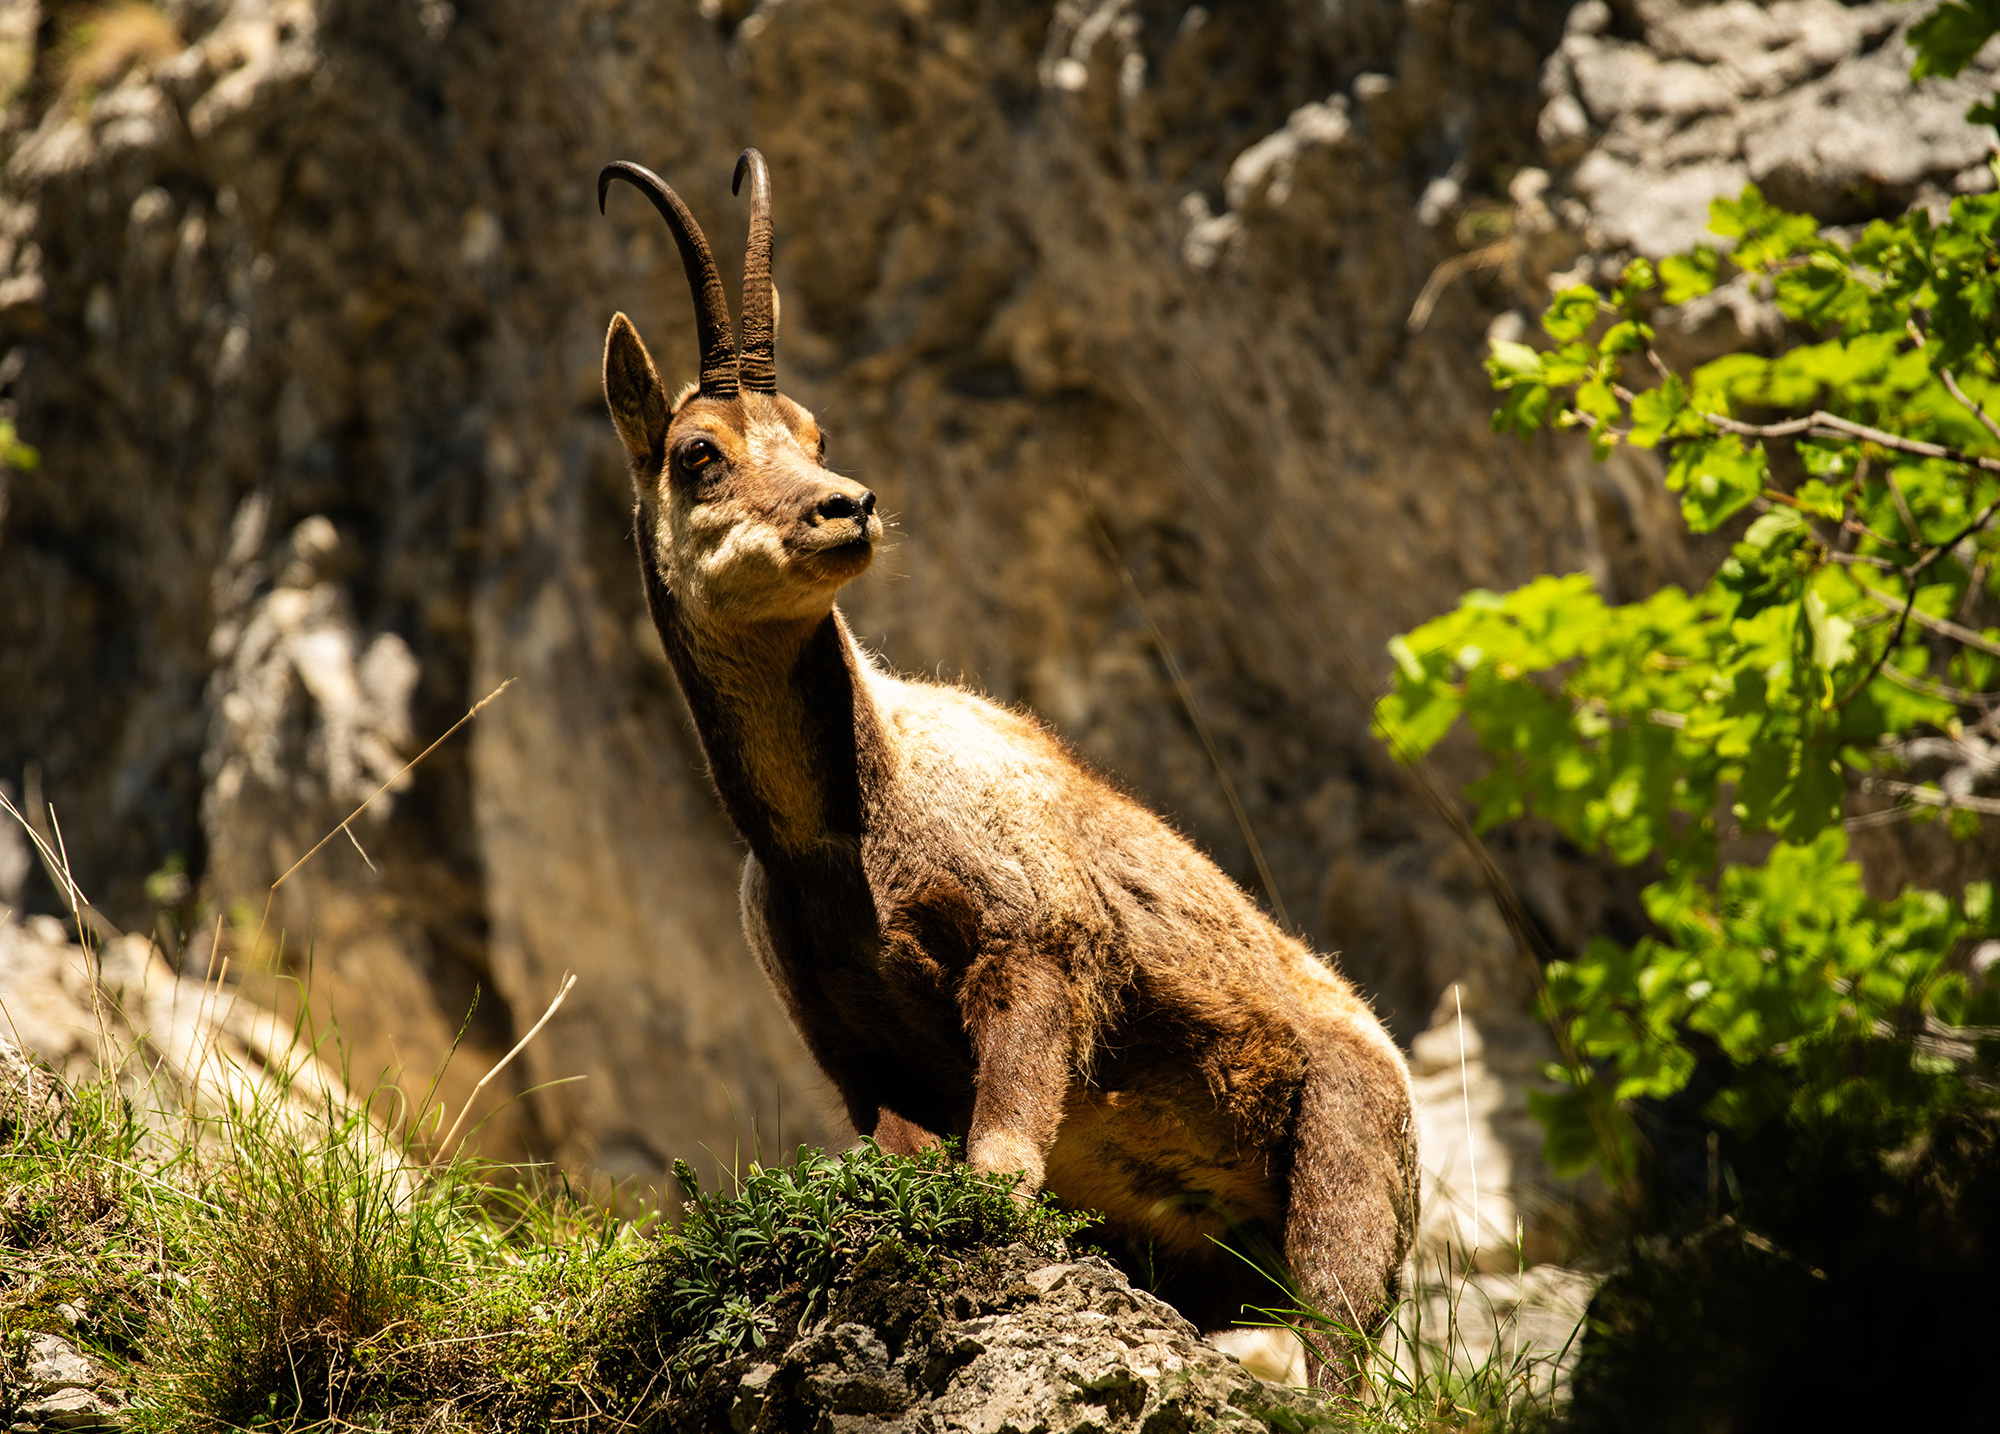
(784, 718)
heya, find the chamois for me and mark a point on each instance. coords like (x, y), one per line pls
(974, 935)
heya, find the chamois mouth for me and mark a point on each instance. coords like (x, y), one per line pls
(842, 538)
(839, 551)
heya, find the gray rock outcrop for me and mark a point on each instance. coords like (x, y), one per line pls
(174, 1045)
(47, 1383)
(1066, 1348)
(1809, 100)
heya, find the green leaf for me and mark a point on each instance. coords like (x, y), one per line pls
(1658, 411)
(1689, 276)
(1524, 410)
(1947, 39)
(1764, 233)
(1625, 337)
(1832, 637)
(1571, 313)
(1512, 361)
(1716, 478)
(1822, 500)
(1571, 1140)
(1596, 399)
(1772, 526)
(1638, 278)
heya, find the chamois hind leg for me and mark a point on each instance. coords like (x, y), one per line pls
(1352, 1203)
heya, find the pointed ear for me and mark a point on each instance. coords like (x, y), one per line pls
(632, 389)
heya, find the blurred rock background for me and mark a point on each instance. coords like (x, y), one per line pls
(302, 302)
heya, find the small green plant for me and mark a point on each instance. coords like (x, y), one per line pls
(771, 1254)
(79, 1255)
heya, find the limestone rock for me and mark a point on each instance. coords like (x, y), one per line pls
(1809, 99)
(70, 1409)
(54, 1363)
(56, 1386)
(1064, 1347)
(171, 1042)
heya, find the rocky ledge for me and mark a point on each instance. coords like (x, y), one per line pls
(48, 1383)
(1035, 1346)
(1064, 1348)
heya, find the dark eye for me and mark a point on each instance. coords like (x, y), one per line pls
(820, 457)
(697, 454)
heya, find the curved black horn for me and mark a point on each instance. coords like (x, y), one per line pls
(711, 308)
(757, 365)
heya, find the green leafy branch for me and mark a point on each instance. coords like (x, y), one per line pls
(1881, 508)
(1948, 39)
(1837, 649)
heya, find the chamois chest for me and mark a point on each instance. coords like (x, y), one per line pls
(872, 981)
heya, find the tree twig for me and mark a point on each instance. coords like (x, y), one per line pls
(1881, 662)
(1939, 690)
(1916, 542)
(1820, 422)
(1985, 419)
(1863, 560)
(1910, 576)
(1942, 626)
(1932, 797)
(1855, 525)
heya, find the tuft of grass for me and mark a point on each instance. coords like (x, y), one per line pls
(79, 1255)
(1475, 1372)
(318, 1261)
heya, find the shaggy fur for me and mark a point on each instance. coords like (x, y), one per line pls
(976, 936)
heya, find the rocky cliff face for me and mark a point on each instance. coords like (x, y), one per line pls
(302, 301)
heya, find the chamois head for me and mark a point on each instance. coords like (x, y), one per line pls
(737, 511)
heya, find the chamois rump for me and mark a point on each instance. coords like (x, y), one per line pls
(974, 935)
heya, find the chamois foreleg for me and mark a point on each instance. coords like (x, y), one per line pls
(1016, 1008)
(901, 1136)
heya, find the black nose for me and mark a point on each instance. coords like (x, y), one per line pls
(839, 505)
